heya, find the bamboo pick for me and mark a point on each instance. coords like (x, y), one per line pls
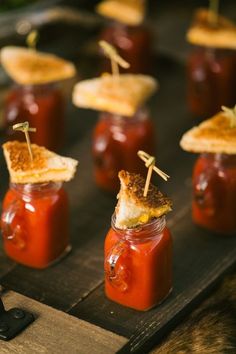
(24, 127)
(115, 68)
(149, 176)
(213, 12)
(230, 113)
(150, 164)
(32, 39)
(116, 59)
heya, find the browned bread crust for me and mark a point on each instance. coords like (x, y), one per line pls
(135, 187)
(45, 167)
(133, 208)
(123, 95)
(201, 32)
(129, 12)
(30, 67)
(215, 135)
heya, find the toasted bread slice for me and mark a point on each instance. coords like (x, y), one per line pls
(121, 95)
(133, 208)
(222, 35)
(215, 135)
(45, 167)
(30, 67)
(129, 12)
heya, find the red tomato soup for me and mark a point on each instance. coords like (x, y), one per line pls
(116, 140)
(43, 107)
(214, 192)
(211, 80)
(133, 44)
(35, 223)
(138, 265)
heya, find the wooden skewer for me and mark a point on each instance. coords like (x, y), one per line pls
(231, 113)
(148, 178)
(114, 68)
(24, 127)
(213, 12)
(32, 39)
(116, 59)
(144, 156)
(150, 164)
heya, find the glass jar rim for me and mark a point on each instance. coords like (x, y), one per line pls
(29, 188)
(155, 224)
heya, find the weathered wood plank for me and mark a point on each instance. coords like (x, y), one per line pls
(67, 282)
(6, 265)
(198, 261)
(80, 275)
(56, 332)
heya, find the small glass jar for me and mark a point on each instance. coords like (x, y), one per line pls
(211, 80)
(34, 223)
(116, 141)
(43, 107)
(133, 44)
(138, 264)
(214, 193)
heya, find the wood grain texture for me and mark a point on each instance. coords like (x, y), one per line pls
(6, 265)
(56, 332)
(75, 285)
(69, 281)
(81, 272)
(198, 262)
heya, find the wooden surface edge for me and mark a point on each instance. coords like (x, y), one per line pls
(57, 332)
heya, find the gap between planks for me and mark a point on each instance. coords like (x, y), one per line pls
(84, 296)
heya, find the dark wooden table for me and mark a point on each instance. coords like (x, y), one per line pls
(75, 285)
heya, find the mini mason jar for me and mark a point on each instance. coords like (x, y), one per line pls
(133, 44)
(43, 107)
(34, 223)
(214, 192)
(138, 264)
(116, 140)
(211, 80)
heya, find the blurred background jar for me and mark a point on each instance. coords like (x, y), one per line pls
(211, 65)
(214, 192)
(43, 106)
(116, 140)
(127, 32)
(36, 96)
(211, 80)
